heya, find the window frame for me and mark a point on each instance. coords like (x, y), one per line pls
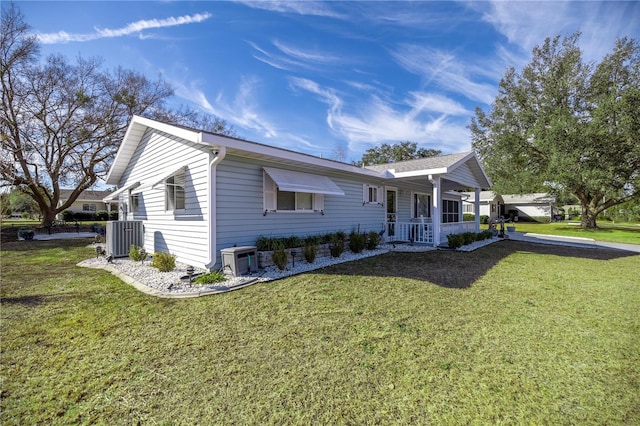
(173, 186)
(447, 213)
(89, 208)
(414, 205)
(372, 195)
(270, 197)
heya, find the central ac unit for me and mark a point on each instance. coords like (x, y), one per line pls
(121, 235)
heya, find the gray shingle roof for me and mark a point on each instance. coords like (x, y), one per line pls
(427, 163)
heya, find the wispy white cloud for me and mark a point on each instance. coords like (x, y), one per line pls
(242, 110)
(443, 70)
(526, 25)
(290, 58)
(132, 28)
(429, 119)
(313, 8)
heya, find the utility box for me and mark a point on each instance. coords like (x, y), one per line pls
(121, 235)
(238, 261)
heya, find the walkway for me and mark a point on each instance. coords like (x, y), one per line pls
(570, 241)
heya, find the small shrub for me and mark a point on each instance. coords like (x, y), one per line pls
(102, 215)
(468, 217)
(373, 240)
(487, 234)
(468, 237)
(341, 235)
(137, 254)
(67, 215)
(310, 252)
(484, 218)
(357, 242)
(455, 240)
(336, 246)
(293, 242)
(280, 256)
(313, 240)
(165, 262)
(211, 278)
(113, 215)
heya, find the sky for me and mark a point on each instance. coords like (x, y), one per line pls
(334, 78)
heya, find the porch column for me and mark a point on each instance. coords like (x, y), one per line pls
(435, 214)
(476, 208)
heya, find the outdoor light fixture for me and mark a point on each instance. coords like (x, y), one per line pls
(293, 258)
(143, 255)
(190, 271)
(110, 258)
(98, 251)
(265, 212)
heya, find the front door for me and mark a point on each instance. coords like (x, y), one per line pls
(392, 208)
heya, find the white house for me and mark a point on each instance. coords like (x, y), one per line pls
(538, 204)
(89, 201)
(197, 192)
(491, 204)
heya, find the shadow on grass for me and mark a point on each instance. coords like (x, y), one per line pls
(459, 270)
(46, 244)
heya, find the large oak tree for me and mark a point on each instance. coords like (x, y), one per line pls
(62, 121)
(562, 124)
(391, 153)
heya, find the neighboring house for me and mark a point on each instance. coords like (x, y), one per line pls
(87, 202)
(491, 204)
(527, 206)
(197, 193)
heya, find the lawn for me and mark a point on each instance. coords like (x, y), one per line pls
(628, 233)
(512, 333)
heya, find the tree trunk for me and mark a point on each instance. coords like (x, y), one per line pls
(48, 216)
(588, 218)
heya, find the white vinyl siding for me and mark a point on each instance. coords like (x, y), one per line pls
(184, 234)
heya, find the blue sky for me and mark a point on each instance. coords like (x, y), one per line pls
(329, 78)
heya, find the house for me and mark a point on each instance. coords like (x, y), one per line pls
(491, 204)
(89, 201)
(198, 192)
(529, 206)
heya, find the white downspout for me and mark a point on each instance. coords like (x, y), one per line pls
(435, 216)
(476, 208)
(212, 196)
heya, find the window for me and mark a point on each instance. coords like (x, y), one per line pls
(468, 208)
(450, 211)
(134, 202)
(371, 194)
(175, 192)
(289, 201)
(421, 205)
(88, 207)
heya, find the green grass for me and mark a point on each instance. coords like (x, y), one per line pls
(512, 333)
(615, 233)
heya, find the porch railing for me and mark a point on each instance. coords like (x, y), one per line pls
(455, 228)
(423, 232)
(410, 231)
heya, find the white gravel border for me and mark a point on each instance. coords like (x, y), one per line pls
(175, 284)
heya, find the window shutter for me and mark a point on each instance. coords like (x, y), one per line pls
(318, 202)
(365, 193)
(269, 192)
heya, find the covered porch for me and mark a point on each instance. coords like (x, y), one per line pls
(424, 197)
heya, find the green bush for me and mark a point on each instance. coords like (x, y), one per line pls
(373, 240)
(455, 240)
(102, 215)
(336, 246)
(165, 262)
(357, 242)
(310, 252)
(468, 237)
(211, 278)
(312, 240)
(280, 256)
(484, 218)
(137, 253)
(67, 215)
(113, 215)
(468, 217)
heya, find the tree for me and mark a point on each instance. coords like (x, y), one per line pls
(562, 125)
(61, 122)
(402, 151)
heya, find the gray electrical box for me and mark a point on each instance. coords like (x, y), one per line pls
(238, 261)
(121, 235)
